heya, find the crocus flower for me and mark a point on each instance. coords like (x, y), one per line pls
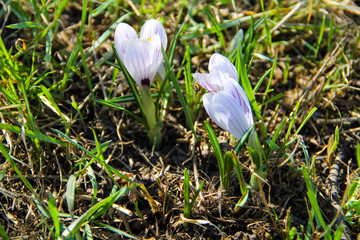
(142, 56)
(226, 103)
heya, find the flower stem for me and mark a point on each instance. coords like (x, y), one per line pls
(256, 154)
(154, 132)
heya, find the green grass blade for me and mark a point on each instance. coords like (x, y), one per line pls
(267, 90)
(174, 42)
(312, 197)
(358, 154)
(261, 80)
(116, 230)
(75, 226)
(196, 194)
(113, 170)
(87, 232)
(320, 37)
(217, 29)
(128, 98)
(101, 157)
(118, 107)
(308, 116)
(245, 83)
(245, 196)
(32, 134)
(243, 140)
(54, 214)
(216, 147)
(275, 137)
(3, 233)
(22, 25)
(179, 93)
(45, 213)
(228, 167)
(94, 183)
(339, 232)
(331, 31)
(70, 65)
(238, 170)
(187, 209)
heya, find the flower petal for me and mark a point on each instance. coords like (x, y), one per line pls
(208, 105)
(203, 80)
(123, 33)
(156, 42)
(229, 115)
(237, 92)
(153, 27)
(220, 62)
(141, 60)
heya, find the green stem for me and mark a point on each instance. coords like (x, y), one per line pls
(256, 154)
(255, 145)
(154, 132)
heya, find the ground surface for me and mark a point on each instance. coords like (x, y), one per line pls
(324, 75)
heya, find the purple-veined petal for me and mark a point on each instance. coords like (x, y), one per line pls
(237, 92)
(141, 60)
(123, 33)
(203, 80)
(208, 105)
(222, 72)
(153, 27)
(229, 115)
(226, 66)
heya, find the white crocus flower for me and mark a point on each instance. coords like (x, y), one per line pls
(142, 56)
(151, 28)
(226, 103)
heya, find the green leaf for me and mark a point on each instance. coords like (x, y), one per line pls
(187, 209)
(54, 214)
(118, 107)
(216, 147)
(228, 167)
(243, 139)
(116, 230)
(242, 201)
(31, 134)
(113, 170)
(308, 116)
(94, 183)
(217, 29)
(3, 233)
(22, 25)
(76, 225)
(238, 170)
(313, 201)
(70, 192)
(179, 93)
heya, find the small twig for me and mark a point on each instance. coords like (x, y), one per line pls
(338, 120)
(133, 7)
(263, 198)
